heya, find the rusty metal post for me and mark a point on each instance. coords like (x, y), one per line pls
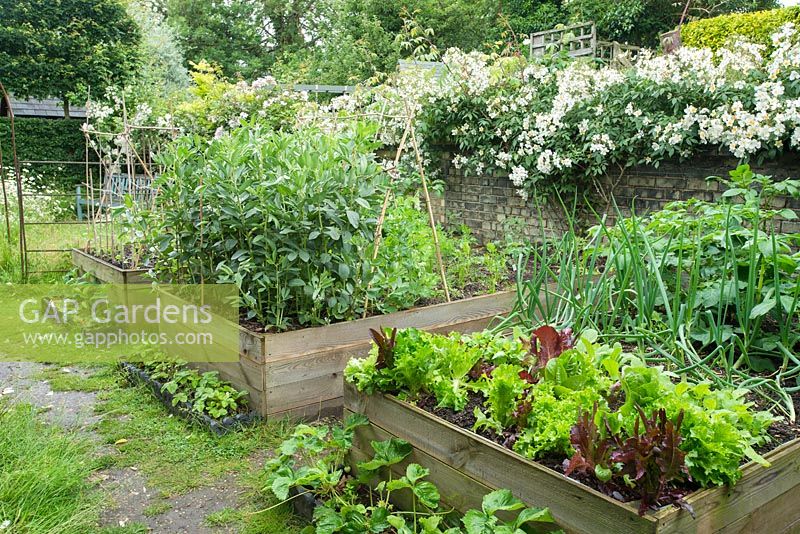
(23, 257)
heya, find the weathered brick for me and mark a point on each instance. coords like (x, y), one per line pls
(487, 203)
(790, 227)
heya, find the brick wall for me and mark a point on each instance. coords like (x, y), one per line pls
(490, 206)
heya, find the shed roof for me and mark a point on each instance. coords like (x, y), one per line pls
(47, 108)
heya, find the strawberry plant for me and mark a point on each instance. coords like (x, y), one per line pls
(312, 461)
(205, 392)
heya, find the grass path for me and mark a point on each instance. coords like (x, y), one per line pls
(125, 464)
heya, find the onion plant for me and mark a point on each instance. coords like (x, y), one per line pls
(710, 289)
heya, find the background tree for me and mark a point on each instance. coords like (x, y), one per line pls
(356, 39)
(641, 21)
(529, 16)
(61, 48)
(163, 68)
(225, 34)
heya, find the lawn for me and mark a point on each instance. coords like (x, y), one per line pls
(51, 478)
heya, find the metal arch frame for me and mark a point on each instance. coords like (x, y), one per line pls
(24, 251)
(18, 178)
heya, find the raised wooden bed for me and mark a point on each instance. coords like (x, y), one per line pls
(107, 272)
(299, 373)
(466, 466)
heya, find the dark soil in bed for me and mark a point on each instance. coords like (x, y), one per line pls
(123, 259)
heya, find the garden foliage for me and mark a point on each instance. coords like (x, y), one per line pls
(559, 122)
(726, 268)
(702, 286)
(216, 105)
(277, 215)
(709, 288)
(312, 461)
(41, 201)
(43, 140)
(290, 218)
(205, 392)
(757, 27)
(534, 393)
(61, 49)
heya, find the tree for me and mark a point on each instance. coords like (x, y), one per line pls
(641, 21)
(529, 16)
(163, 68)
(226, 34)
(465, 24)
(62, 48)
(356, 39)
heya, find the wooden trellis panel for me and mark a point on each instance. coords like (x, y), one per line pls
(578, 40)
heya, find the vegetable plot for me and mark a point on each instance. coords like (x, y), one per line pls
(590, 410)
(311, 463)
(290, 218)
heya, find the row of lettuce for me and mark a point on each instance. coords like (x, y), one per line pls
(635, 430)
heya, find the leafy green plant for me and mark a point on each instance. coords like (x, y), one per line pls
(290, 219)
(312, 461)
(461, 262)
(420, 363)
(216, 398)
(279, 215)
(699, 286)
(205, 392)
(496, 265)
(504, 389)
(755, 27)
(648, 461)
(530, 395)
(484, 521)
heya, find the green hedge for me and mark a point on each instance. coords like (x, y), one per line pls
(757, 27)
(47, 139)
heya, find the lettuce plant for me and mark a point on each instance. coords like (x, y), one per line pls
(648, 434)
(647, 461)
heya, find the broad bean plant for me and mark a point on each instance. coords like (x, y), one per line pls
(290, 218)
(277, 215)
